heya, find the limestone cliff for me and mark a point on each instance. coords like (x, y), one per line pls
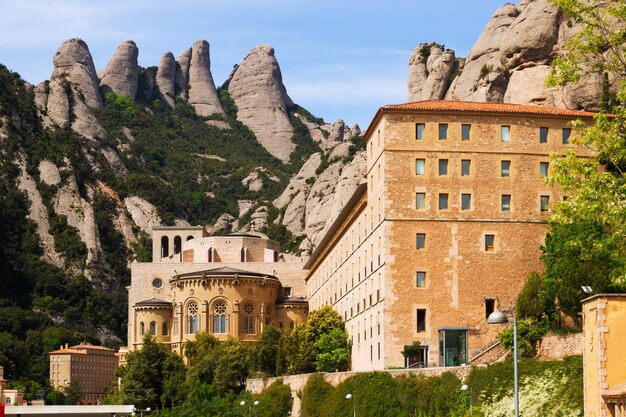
(121, 74)
(509, 62)
(257, 88)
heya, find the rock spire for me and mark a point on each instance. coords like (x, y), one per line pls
(122, 72)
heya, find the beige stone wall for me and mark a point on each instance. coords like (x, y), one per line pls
(554, 347)
(604, 326)
(462, 275)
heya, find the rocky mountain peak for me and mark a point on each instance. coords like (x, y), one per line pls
(202, 93)
(166, 78)
(257, 88)
(121, 74)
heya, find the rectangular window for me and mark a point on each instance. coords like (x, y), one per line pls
(420, 200)
(421, 320)
(466, 201)
(489, 243)
(544, 202)
(465, 167)
(565, 135)
(490, 307)
(465, 132)
(443, 131)
(505, 168)
(505, 133)
(543, 135)
(420, 240)
(506, 202)
(443, 201)
(443, 167)
(419, 131)
(419, 166)
(543, 169)
(420, 279)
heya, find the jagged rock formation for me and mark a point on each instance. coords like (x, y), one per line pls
(182, 72)
(166, 79)
(256, 86)
(144, 214)
(122, 72)
(337, 132)
(254, 180)
(202, 93)
(508, 63)
(430, 71)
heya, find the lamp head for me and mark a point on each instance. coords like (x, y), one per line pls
(242, 403)
(464, 387)
(256, 402)
(148, 409)
(348, 396)
(497, 317)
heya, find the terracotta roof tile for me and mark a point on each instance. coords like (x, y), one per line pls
(442, 105)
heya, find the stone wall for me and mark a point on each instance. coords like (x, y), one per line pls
(553, 346)
(297, 382)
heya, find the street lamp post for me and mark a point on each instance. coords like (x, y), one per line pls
(497, 317)
(466, 387)
(243, 403)
(348, 397)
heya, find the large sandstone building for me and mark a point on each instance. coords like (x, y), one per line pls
(232, 285)
(445, 230)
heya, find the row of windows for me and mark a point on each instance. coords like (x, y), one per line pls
(466, 202)
(489, 239)
(466, 167)
(505, 133)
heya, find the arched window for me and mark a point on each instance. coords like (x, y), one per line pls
(219, 310)
(178, 244)
(243, 254)
(193, 320)
(189, 238)
(142, 328)
(210, 255)
(165, 247)
(153, 328)
(164, 329)
(248, 318)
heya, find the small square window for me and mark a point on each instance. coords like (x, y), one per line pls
(443, 167)
(506, 202)
(544, 202)
(505, 133)
(465, 167)
(505, 168)
(420, 279)
(489, 243)
(443, 131)
(420, 240)
(419, 131)
(419, 166)
(420, 200)
(465, 132)
(543, 169)
(466, 201)
(421, 320)
(543, 135)
(565, 135)
(443, 201)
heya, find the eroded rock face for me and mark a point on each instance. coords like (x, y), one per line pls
(254, 180)
(182, 72)
(430, 71)
(337, 132)
(49, 173)
(122, 72)
(166, 79)
(144, 214)
(527, 86)
(202, 93)
(73, 62)
(257, 88)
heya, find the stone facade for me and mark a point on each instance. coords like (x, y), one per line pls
(93, 367)
(231, 286)
(604, 326)
(445, 231)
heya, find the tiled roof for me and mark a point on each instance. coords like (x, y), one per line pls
(223, 271)
(154, 302)
(442, 105)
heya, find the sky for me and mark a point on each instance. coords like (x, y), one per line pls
(339, 59)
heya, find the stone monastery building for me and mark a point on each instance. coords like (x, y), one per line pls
(230, 285)
(444, 231)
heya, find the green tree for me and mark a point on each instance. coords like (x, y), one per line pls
(232, 365)
(536, 301)
(264, 355)
(297, 350)
(322, 321)
(333, 351)
(175, 387)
